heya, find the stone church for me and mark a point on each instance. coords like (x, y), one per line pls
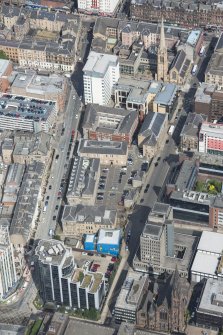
(178, 70)
(165, 306)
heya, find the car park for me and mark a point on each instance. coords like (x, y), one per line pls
(114, 259)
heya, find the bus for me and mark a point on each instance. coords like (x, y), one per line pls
(201, 52)
(194, 70)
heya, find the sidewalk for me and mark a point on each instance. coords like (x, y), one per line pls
(105, 310)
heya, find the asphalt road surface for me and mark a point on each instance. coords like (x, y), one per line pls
(59, 167)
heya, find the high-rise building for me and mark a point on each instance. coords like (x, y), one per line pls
(98, 6)
(161, 248)
(162, 61)
(62, 282)
(7, 264)
(101, 72)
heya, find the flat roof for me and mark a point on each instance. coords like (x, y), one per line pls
(131, 291)
(4, 63)
(109, 236)
(90, 238)
(211, 242)
(98, 63)
(87, 328)
(205, 263)
(212, 299)
(102, 147)
(193, 37)
(193, 330)
(39, 84)
(51, 251)
(153, 229)
(31, 109)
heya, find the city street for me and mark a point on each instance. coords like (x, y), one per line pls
(59, 167)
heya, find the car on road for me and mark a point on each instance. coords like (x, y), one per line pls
(54, 217)
(167, 141)
(141, 201)
(105, 170)
(156, 163)
(114, 259)
(50, 187)
(84, 253)
(57, 156)
(100, 197)
(50, 232)
(56, 208)
(46, 203)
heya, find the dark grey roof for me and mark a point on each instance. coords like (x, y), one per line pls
(125, 119)
(181, 63)
(152, 228)
(152, 123)
(192, 124)
(102, 147)
(86, 214)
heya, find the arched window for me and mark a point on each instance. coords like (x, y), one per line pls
(174, 75)
(163, 315)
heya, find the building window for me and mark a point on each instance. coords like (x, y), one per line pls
(163, 315)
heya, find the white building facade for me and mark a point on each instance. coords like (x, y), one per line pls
(7, 264)
(101, 72)
(98, 6)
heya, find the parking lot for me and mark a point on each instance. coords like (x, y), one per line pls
(95, 262)
(115, 181)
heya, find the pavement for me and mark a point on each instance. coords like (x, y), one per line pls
(112, 292)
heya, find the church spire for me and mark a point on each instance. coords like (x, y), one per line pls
(162, 59)
(162, 45)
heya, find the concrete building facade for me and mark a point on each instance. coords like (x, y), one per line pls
(101, 72)
(8, 276)
(101, 7)
(62, 282)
